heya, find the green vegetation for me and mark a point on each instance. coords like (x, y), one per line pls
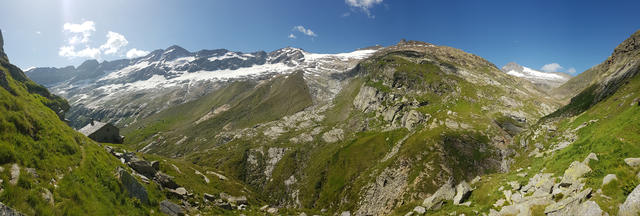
(79, 173)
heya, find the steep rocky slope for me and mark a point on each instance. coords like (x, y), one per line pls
(621, 60)
(405, 120)
(580, 160)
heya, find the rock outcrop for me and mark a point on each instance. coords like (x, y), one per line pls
(15, 174)
(133, 187)
(170, 208)
(444, 193)
(609, 178)
(5, 210)
(632, 162)
(631, 206)
(463, 191)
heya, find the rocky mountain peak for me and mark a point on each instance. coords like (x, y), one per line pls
(2, 54)
(631, 44)
(289, 55)
(512, 66)
(174, 52)
(1, 42)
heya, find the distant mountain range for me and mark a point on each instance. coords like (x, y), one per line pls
(545, 80)
(122, 90)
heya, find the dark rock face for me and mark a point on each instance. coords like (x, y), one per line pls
(2, 55)
(170, 208)
(143, 167)
(133, 187)
(165, 180)
(5, 210)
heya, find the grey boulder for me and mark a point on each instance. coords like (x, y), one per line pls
(170, 208)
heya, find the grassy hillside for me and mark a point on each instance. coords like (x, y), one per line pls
(53, 157)
(240, 105)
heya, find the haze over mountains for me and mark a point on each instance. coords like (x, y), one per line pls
(409, 129)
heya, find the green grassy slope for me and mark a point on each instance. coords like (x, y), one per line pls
(248, 103)
(78, 172)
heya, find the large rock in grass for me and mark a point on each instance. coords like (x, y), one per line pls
(165, 180)
(631, 206)
(588, 208)
(5, 210)
(463, 191)
(133, 187)
(435, 201)
(143, 167)
(567, 205)
(15, 174)
(573, 174)
(632, 162)
(170, 208)
(609, 178)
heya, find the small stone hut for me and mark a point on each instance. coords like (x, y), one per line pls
(102, 132)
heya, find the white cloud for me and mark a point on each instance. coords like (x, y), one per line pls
(292, 36)
(571, 71)
(115, 41)
(70, 52)
(80, 35)
(553, 67)
(85, 29)
(365, 5)
(134, 53)
(305, 31)
(38, 32)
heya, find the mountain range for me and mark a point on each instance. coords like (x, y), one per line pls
(408, 129)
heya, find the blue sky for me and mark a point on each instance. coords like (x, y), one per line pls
(572, 34)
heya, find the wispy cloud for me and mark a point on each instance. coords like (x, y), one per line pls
(292, 36)
(78, 43)
(84, 30)
(553, 67)
(571, 71)
(305, 31)
(364, 5)
(134, 53)
(87, 52)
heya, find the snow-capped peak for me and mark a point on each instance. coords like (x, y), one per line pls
(528, 73)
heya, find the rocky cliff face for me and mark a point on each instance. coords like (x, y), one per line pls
(603, 80)
(621, 61)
